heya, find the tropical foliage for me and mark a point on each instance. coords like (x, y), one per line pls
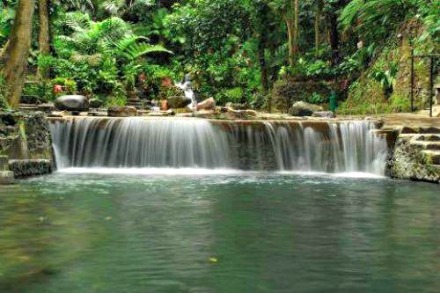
(235, 50)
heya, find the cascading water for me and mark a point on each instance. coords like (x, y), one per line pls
(192, 143)
(136, 142)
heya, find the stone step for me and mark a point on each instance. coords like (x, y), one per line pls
(433, 155)
(429, 137)
(427, 145)
(420, 130)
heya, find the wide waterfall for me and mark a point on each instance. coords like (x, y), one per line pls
(333, 147)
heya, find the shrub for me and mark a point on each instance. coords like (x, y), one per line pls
(288, 91)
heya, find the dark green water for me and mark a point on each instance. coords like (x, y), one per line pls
(269, 233)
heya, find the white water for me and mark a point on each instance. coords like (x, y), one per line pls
(189, 93)
(193, 146)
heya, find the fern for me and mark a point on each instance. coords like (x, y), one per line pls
(137, 50)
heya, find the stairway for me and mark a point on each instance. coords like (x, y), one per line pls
(430, 146)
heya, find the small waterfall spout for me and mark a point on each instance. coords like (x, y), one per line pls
(337, 147)
(186, 86)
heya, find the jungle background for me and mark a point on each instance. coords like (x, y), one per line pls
(266, 54)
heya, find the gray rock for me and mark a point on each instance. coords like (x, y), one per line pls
(30, 99)
(74, 103)
(208, 104)
(178, 102)
(119, 111)
(302, 109)
(29, 168)
(324, 114)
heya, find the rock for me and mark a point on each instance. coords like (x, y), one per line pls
(164, 105)
(241, 114)
(29, 168)
(74, 103)
(324, 114)
(96, 103)
(55, 115)
(410, 161)
(29, 99)
(9, 118)
(237, 106)
(170, 112)
(119, 111)
(178, 102)
(161, 113)
(46, 108)
(304, 109)
(208, 104)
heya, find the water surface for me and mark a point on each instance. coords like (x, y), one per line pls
(220, 232)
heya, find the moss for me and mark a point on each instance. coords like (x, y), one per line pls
(3, 103)
(366, 96)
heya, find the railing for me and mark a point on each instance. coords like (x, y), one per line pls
(432, 58)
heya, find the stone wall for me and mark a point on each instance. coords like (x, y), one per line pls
(415, 158)
(29, 168)
(25, 139)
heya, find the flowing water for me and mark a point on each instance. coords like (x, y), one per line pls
(218, 232)
(192, 143)
(200, 206)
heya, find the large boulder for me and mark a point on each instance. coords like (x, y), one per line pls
(178, 102)
(208, 104)
(73, 103)
(302, 109)
(119, 111)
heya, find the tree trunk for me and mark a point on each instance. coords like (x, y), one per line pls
(334, 37)
(44, 35)
(296, 28)
(290, 40)
(318, 12)
(17, 51)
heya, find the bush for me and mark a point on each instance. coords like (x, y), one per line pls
(288, 91)
(68, 86)
(317, 99)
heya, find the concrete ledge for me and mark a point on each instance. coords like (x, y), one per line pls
(29, 168)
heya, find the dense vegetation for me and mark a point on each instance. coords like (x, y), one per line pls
(258, 52)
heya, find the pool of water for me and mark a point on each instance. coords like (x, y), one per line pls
(220, 232)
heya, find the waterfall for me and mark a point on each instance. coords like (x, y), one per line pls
(333, 147)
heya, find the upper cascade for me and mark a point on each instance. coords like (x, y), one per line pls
(332, 147)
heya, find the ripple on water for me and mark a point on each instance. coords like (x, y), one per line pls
(267, 233)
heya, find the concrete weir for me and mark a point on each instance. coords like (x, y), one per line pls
(331, 146)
